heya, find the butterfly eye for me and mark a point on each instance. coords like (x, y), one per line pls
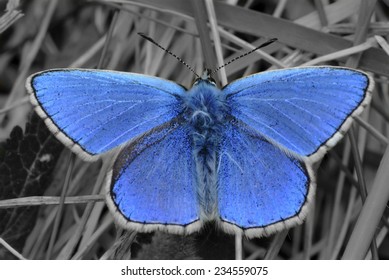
(208, 81)
(206, 77)
(211, 81)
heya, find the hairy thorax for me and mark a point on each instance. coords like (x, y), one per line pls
(205, 110)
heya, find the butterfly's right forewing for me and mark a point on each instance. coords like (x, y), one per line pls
(304, 111)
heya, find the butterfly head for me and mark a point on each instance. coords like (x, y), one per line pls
(206, 77)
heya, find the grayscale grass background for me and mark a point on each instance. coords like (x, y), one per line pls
(51, 203)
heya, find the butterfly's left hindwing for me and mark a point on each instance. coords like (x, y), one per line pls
(152, 183)
(93, 111)
(304, 111)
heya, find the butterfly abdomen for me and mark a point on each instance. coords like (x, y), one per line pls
(205, 112)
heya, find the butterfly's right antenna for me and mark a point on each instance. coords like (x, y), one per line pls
(169, 52)
(238, 57)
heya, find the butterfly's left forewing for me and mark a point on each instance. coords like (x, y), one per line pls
(261, 190)
(152, 183)
(93, 111)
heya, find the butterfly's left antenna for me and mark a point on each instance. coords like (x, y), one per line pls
(238, 57)
(169, 52)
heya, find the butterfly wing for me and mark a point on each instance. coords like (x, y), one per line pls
(152, 183)
(261, 189)
(93, 111)
(303, 110)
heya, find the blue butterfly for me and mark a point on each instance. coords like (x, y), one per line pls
(241, 155)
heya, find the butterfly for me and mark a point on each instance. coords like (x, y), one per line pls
(241, 156)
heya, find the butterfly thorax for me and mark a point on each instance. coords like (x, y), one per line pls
(205, 111)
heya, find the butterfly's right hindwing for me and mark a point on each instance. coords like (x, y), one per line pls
(261, 189)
